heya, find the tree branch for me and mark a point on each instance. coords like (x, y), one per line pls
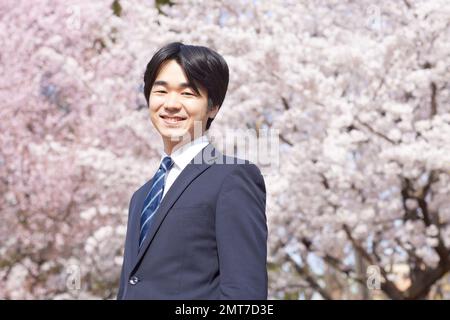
(387, 286)
(374, 131)
(304, 272)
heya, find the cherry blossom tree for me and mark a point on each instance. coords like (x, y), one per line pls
(74, 144)
(357, 93)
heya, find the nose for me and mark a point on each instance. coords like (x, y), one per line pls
(172, 102)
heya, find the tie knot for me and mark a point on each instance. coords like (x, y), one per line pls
(166, 163)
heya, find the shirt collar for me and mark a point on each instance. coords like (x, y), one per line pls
(183, 155)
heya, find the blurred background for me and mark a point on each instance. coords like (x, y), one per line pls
(357, 92)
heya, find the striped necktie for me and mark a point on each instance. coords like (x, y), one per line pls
(153, 199)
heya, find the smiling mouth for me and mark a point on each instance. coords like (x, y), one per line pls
(172, 120)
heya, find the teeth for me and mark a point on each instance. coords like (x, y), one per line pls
(173, 119)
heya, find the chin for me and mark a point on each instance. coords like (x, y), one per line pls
(175, 134)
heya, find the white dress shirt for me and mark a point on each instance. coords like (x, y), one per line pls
(181, 158)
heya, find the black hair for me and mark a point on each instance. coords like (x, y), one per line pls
(203, 67)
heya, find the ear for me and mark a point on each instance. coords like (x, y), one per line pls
(213, 112)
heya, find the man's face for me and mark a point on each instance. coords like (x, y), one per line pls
(175, 107)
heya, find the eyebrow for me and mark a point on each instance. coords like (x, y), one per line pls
(165, 84)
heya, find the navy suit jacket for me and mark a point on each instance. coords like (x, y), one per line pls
(208, 239)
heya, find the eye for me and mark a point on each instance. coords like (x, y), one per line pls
(188, 93)
(159, 91)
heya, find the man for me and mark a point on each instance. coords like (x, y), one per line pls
(197, 229)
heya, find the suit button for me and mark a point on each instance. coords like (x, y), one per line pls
(134, 280)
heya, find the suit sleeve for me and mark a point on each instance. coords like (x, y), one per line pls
(122, 273)
(241, 233)
(121, 284)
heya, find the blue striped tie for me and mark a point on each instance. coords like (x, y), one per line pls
(153, 199)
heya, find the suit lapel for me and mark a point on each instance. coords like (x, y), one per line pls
(200, 163)
(135, 222)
